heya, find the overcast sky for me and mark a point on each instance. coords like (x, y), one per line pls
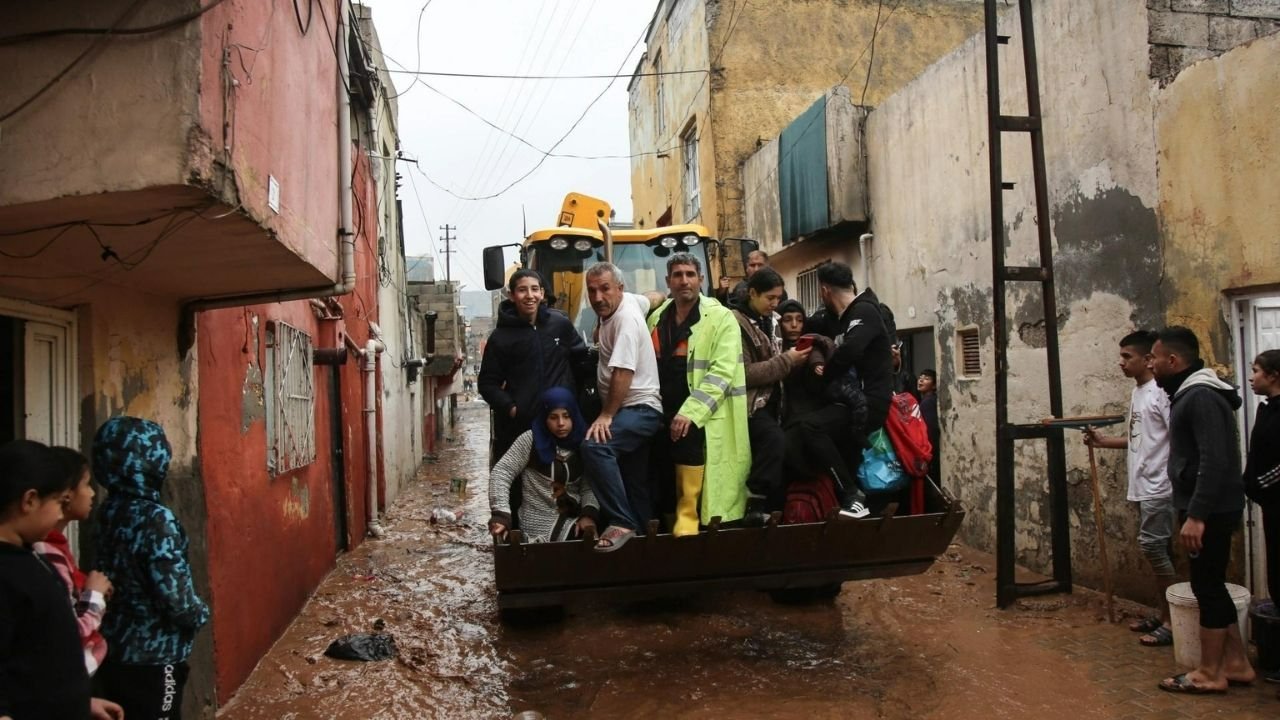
(459, 152)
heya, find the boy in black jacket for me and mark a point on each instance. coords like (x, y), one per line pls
(1204, 468)
(42, 670)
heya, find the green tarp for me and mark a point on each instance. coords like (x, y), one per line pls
(802, 173)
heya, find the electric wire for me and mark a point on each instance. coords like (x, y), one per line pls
(96, 44)
(543, 159)
(487, 164)
(784, 153)
(492, 76)
(477, 208)
(158, 27)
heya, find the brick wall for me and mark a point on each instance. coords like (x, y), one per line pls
(1182, 32)
(443, 299)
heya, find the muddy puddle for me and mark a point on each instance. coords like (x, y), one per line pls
(930, 646)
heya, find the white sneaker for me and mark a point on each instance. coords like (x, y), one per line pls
(856, 510)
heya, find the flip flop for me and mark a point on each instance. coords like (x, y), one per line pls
(1160, 637)
(1183, 685)
(1146, 625)
(613, 538)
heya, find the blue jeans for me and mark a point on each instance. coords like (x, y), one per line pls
(618, 470)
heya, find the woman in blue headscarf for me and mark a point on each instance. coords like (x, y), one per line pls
(558, 504)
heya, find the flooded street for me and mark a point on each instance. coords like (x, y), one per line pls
(930, 646)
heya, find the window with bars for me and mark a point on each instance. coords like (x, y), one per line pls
(807, 290)
(969, 355)
(692, 199)
(290, 399)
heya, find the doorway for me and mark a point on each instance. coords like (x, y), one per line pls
(1258, 328)
(337, 460)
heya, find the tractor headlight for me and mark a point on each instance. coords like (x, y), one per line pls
(690, 240)
(582, 245)
(559, 243)
(667, 242)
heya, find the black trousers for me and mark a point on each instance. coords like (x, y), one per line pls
(1209, 572)
(817, 441)
(146, 692)
(768, 455)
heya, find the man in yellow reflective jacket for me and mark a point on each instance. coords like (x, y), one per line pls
(704, 399)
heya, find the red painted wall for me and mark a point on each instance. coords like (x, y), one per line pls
(272, 539)
(282, 115)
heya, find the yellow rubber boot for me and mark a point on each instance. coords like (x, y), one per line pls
(688, 493)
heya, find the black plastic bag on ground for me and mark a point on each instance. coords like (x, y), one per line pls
(363, 646)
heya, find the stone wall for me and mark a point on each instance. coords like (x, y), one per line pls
(1182, 32)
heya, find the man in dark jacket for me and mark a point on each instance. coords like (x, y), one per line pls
(531, 350)
(1204, 468)
(862, 356)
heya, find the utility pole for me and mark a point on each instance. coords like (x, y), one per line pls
(448, 274)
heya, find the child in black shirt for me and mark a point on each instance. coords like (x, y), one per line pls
(42, 671)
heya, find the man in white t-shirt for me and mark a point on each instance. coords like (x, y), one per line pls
(615, 454)
(1149, 486)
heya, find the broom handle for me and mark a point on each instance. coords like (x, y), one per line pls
(1102, 538)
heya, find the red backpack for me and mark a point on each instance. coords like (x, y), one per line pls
(909, 435)
(809, 500)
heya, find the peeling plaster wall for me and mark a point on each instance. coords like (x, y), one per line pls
(931, 217)
(129, 365)
(278, 534)
(770, 60)
(1219, 200)
(679, 42)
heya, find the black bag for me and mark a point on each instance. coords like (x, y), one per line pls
(363, 646)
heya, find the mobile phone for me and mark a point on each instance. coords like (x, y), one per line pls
(804, 342)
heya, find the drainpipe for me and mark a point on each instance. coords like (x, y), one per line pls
(863, 239)
(346, 238)
(370, 352)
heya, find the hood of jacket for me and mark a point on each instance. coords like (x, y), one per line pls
(131, 457)
(1204, 377)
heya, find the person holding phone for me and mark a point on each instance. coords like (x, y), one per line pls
(767, 365)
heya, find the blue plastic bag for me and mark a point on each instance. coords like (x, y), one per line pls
(880, 472)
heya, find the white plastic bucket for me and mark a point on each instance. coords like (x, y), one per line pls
(1184, 612)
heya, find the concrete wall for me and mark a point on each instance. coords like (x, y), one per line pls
(105, 125)
(931, 256)
(220, 103)
(846, 181)
(1219, 201)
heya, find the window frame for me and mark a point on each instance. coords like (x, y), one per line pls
(689, 181)
(289, 398)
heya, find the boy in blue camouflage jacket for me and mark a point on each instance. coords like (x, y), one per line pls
(155, 612)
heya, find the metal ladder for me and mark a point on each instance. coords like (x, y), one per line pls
(1007, 588)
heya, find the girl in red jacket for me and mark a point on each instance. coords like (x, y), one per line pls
(87, 593)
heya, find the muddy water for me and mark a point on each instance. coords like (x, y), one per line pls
(927, 646)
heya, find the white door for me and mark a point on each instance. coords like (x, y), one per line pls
(45, 347)
(1260, 323)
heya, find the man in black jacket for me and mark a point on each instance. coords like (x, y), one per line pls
(863, 342)
(1204, 468)
(531, 350)
(863, 345)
